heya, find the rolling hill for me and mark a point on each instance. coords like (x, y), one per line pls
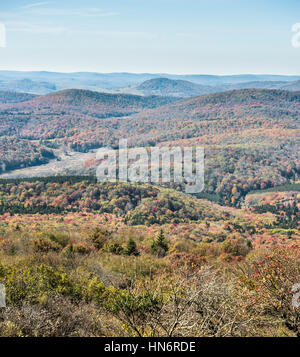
(69, 112)
(13, 97)
(93, 102)
(251, 136)
(173, 88)
(17, 153)
(217, 113)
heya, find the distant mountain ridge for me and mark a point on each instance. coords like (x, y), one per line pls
(184, 89)
(46, 82)
(27, 86)
(292, 86)
(174, 88)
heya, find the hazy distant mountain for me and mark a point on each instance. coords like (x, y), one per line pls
(293, 86)
(174, 88)
(259, 85)
(185, 89)
(27, 86)
(47, 82)
(290, 86)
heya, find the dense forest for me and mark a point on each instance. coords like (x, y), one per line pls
(137, 204)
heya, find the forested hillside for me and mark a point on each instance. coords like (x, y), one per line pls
(16, 153)
(174, 88)
(251, 137)
(137, 204)
(14, 97)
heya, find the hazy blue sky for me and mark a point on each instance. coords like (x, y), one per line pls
(175, 36)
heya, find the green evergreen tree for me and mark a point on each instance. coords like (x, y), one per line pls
(131, 248)
(160, 245)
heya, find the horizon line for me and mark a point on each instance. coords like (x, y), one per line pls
(153, 73)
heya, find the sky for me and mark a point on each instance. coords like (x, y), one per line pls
(153, 36)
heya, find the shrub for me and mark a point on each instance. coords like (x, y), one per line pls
(236, 247)
(267, 281)
(31, 283)
(45, 245)
(114, 248)
(99, 237)
(58, 317)
(81, 248)
(59, 238)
